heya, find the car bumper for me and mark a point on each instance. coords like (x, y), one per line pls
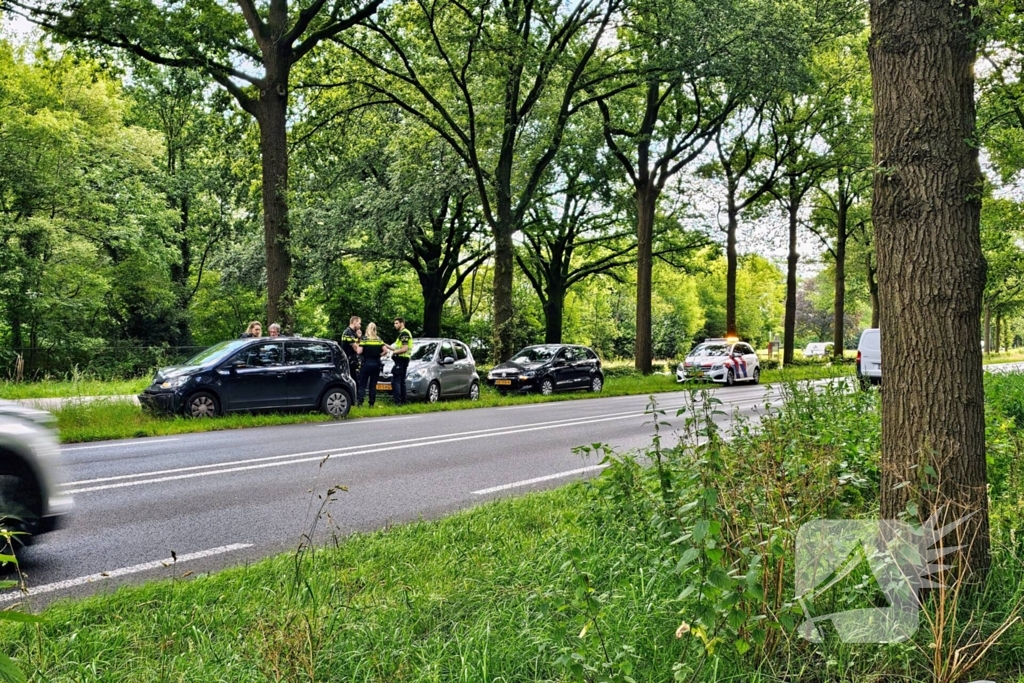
(415, 389)
(160, 402)
(512, 384)
(697, 375)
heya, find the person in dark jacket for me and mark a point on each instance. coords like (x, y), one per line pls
(255, 329)
(372, 348)
(350, 344)
(402, 353)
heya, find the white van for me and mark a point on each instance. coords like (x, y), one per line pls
(818, 349)
(869, 356)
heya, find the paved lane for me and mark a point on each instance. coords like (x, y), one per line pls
(223, 498)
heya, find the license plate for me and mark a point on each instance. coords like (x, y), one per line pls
(383, 387)
(503, 382)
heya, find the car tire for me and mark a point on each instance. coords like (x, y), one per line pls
(433, 392)
(202, 404)
(757, 376)
(21, 499)
(336, 402)
(474, 391)
(547, 386)
(596, 384)
(730, 378)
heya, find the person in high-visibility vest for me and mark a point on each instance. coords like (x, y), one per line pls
(372, 347)
(350, 344)
(401, 355)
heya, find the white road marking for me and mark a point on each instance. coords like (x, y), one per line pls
(370, 420)
(296, 458)
(537, 480)
(137, 443)
(123, 571)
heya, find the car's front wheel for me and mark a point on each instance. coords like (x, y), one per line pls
(336, 403)
(547, 387)
(596, 384)
(433, 392)
(757, 375)
(20, 504)
(730, 378)
(474, 391)
(202, 404)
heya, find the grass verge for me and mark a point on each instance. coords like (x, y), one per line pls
(70, 389)
(590, 582)
(111, 419)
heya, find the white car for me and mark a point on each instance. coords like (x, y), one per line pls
(816, 349)
(869, 357)
(726, 361)
(30, 472)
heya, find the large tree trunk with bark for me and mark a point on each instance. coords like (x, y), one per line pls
(646, 200)
(272, 118)
(503, 311)
(731, 264)
(554, 311)
(433, 305)
(839, 299)
(789, 332)
(988, 328)
(931, 272)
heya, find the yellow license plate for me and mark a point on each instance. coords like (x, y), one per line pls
(383, 387)
(503, 382)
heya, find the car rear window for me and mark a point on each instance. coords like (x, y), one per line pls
(461, 352)
(308, 353)
(869, 340)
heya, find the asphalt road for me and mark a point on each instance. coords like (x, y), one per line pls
(224, 498)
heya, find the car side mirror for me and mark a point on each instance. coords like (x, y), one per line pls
(447, 360)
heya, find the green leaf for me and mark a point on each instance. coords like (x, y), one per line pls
(13, 615)
(719, 579)
(9, 671)
(742, 646)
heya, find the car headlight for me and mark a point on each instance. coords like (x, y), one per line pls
(717, 366)
(418, 374)
(527, 375)
(175, 382)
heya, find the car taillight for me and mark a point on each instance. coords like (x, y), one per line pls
(858, 358)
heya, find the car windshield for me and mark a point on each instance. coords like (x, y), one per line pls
(711, 350)
(423, 351)
(536, 354)
(216, 353)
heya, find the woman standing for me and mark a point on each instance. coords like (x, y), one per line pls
(255, 329)
(369, 373)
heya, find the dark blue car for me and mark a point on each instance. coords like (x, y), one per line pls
(266, 373)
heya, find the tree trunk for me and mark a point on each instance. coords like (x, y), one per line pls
(988, 329)
(273, 113)
(789, 332)
(999, 330)
(554, 312)
(503, 311)
(731, 264)
(839, 300)
(433, 306)
(931, 272)
(646, 199)
(873, 291)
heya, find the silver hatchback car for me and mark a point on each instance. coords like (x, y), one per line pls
(30, 471)
(438, 368)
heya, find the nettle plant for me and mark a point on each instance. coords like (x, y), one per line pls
(725, 508)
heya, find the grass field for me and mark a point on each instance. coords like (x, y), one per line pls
(118, 419)
(590, 582)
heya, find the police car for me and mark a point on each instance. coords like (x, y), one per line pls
(726, 361)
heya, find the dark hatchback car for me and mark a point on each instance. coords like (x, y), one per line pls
(256, 374)
(548, 368)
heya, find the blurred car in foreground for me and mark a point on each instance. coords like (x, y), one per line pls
(265, 373)
(725, 361)
(548, 368)
(30, 472)
(438, 368)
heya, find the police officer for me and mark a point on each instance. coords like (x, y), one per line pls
(369, 372)
(402, 352)
(350, 339)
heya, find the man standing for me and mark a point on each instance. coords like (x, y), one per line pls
(275, 330)
(350, 344)
(402, 352)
